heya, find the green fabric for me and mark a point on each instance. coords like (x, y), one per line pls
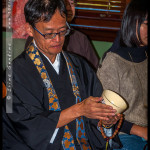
(101, 47)
(17, 47)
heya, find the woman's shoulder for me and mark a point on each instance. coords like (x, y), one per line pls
(115, 58)
(111, 56)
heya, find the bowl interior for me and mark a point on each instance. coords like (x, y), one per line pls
(114, 99)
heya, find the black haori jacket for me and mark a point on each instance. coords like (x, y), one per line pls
(32, 124)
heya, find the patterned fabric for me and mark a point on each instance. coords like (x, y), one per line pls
(18, 19)
(83, 141)
(67, 142)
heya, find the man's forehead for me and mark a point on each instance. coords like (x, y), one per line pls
(51, 25)
(56, 21)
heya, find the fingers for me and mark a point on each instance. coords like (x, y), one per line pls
(93, 108)
(104, 118)
(112, 119)
(95, 99)
(104, 111)
(100, 113)
(106, 107)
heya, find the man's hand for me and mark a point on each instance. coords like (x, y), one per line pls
(94, 109)
(90, 108)
(112, 120)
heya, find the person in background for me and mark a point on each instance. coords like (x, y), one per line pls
(5, 15)
(124, 70)
(77, 42)
(18, 20)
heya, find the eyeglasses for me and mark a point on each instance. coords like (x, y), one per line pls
(53, 35)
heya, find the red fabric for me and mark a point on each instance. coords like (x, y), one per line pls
(14, 10)
(18, 19)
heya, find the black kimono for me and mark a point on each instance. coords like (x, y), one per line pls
(32, 124)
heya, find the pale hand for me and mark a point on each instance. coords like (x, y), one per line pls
(112, 120)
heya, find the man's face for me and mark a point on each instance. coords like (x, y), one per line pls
(50, 47)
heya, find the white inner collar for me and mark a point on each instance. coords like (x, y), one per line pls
(56, 64)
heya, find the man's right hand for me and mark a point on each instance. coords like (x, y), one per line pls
(94, 109)
(90, 108)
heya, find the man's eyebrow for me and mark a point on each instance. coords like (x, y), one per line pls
(46, 29)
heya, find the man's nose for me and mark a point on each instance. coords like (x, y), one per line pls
(57, 37)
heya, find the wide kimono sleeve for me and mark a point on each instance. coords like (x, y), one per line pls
(31, 125)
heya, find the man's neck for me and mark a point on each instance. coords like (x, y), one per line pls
(51, 58)
(55, 63)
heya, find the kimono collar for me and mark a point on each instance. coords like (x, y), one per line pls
(56, 64)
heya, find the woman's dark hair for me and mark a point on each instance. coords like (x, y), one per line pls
(134, 15)
(43, 10)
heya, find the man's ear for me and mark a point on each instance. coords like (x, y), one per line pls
(29, 29)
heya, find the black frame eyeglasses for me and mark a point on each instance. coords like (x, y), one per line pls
(53, 35)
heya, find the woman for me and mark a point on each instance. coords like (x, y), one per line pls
(124, 70)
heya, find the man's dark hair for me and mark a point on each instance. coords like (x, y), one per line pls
(43, 10)
(134, 15)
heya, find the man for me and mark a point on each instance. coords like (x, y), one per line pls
(76, 42)
(56, 95)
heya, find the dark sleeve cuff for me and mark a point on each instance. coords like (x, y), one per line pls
(126, 126)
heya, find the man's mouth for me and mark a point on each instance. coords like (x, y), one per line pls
(56, 46)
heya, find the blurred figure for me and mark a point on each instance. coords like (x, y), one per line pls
(78, 42)
(18, 20)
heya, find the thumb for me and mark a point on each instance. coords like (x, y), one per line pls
(96, 99)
